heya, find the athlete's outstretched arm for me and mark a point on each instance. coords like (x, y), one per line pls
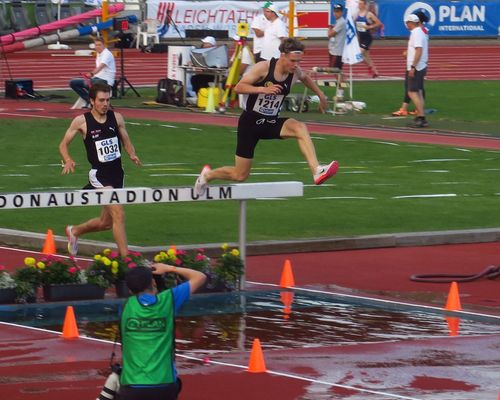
(127, 143)
(309, 83)
(76, 127)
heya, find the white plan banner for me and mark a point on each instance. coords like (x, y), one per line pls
(241, 191)
(177, 16)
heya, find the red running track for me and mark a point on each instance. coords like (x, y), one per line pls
(53, 70)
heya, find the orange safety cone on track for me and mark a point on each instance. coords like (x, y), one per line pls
(453, 302)
(49, 247)
(70, 329)
(287, 279)
(256, 363)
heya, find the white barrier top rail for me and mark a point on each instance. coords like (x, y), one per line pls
(240, 191)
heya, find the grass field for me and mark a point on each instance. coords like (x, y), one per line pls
(381, 187)
(465, 106)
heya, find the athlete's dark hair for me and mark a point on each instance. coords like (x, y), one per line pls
(98, 87)
(139, 279)
(290, 45)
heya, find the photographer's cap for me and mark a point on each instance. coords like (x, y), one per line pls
(412, 18)
(338, 7)
(209, 40)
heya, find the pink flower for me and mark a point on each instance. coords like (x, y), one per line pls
(200, 251)
(181, 252)
(2, 268)
(113, 254)
(178, 262)
(127, 259)
(72, 270)
(135, 253)
(200, 257)
(132, 265)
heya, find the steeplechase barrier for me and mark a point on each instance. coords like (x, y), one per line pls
(241, 192)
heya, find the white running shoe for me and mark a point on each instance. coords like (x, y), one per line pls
(200, 187)
(72, 241)
(323, 172)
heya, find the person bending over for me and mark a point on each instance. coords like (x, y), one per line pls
(147, 328)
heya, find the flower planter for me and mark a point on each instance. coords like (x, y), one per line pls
(62, 292)
(7, 296)
(121, 289)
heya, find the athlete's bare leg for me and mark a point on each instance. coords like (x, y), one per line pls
(298, 130)
(238, 173)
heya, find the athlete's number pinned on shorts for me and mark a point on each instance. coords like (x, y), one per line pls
(108, 149)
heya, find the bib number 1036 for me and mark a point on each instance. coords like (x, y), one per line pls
(108, 149)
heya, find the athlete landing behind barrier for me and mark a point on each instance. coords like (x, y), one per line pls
(103, 132)
(264, 89)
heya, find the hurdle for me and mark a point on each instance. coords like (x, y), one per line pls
(241, 192)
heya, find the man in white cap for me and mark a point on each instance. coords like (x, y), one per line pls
(275, 32)
(259, 25)
(416, 67)
(208, 41)
(199, 81)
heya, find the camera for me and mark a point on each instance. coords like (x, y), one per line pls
(242, 29)
(112, 384)
(116, 368)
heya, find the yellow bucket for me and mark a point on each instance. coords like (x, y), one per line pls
(203, 97)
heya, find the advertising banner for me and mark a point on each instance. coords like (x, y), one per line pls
(178, 16)
(465, 18)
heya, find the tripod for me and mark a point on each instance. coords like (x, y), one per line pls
(120, 83)
(234, 73)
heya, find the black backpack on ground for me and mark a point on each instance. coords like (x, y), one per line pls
(170, 91)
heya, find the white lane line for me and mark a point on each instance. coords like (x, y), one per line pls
(387, 143)
(28, 115)
(341, 198)
(424, 196)
(439, 160)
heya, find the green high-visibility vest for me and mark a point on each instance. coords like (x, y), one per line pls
(148, 341)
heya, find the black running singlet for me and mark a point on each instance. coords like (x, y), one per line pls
(269, 105)
(103, 143)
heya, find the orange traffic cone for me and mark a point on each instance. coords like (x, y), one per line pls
(287, 279)
(287, 300)
(49, 247)
(453, 325)
(70, 329)
(256, 363)
(453, 302)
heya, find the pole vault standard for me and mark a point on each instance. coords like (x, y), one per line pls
(240, 191)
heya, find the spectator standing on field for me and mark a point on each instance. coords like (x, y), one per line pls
(403, 110)
(259, 25)
(416, 67)
(336, 42)
(275, 32)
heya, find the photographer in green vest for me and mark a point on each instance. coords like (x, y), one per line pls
(148, 335)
